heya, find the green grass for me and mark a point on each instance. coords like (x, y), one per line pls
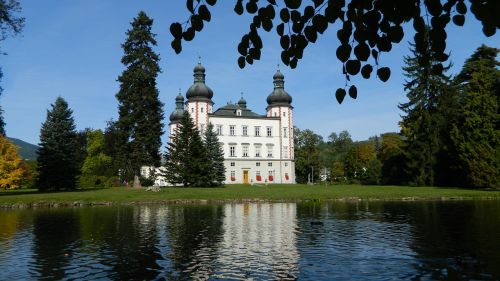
(298, 192)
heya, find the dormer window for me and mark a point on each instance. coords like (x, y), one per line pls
(238, 112)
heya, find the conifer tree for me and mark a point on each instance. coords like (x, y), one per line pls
(140, 110)
(476, 135)
(421, 124)
(215, 154)
(57, 159)
(186, 158)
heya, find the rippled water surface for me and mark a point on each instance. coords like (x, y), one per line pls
(279, 241)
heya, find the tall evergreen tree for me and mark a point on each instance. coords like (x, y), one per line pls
(425, 85)
(476, 135)
(186, 158)
(140, 110)
(215, 155)
(57, 163)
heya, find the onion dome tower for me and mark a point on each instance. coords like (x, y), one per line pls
(280, 106)
(279, 97)
(199, 98)
(242, 103)
(176, 115)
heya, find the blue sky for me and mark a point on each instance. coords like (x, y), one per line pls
(73, 49)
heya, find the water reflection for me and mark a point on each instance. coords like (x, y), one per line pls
(307, 241)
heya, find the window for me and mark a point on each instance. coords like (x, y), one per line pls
(270, 173)
(257, 164)
(245, 130)
(257, 131)
(275, 114)
(269, 131)
(269, 151)
(284, 113)
(285, 132)
(286, 164)
(258, 176)
(201, 109)
(219, 130)
(232, 164)
(245, 150)
(192, 110)
(285, 151)
(233, 175)
(238, 112)
(232, 151)
(231, 130)
(257, 151)
(269, 164)
(202, 128)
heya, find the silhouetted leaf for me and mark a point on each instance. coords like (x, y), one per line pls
(241, 62)
(251, 7)
(366, 71)
(211, 2)
(280, 29)
(340, 95)
(362, 51)
(285, 42)
(238, 8)
(293, 4)
(190, 6)
(384, 73)
(458, 20)
(353, 92)
(176, 30)
(310, 33)
(176, 45)
(196, 22)
(284, 15)
(352, 66)
(267, 24)
(188, 35)
(317, 3)
(343, 52)
(461, 8)
(204, 13)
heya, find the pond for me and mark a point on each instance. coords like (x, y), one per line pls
(257, 241)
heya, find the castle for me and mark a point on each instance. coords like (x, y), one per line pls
(257, 148)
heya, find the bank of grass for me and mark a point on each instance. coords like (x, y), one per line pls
(237, 193)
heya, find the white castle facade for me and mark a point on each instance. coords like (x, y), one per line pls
(258, 148)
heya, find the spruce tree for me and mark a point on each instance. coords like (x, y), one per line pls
(186, 157)
(476, 135)
(57, 163)
(421, 123)
(215, 154)
(140, 110)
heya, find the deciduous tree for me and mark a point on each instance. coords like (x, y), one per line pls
(307, 151)
(366, 29)
(96, 164)
(12, 170)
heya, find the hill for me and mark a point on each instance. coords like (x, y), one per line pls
(26, 150)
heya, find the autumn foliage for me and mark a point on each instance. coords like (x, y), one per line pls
(12, 169)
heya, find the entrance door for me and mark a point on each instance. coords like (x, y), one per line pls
(245, 177)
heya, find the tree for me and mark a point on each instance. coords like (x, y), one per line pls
(12, 170)
(372, 26)
(215, 155)
(9, 24)
(140, 110)
(57, 163)
(357, 161)
(392, 157)
(420, 125)
(96, 164)
(477, 133)
(186, 159)
(306, 144)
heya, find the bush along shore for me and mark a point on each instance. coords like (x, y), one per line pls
(28, 198)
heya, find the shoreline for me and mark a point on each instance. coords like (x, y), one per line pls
(79, 204)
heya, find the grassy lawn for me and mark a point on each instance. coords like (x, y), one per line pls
(240, 192)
